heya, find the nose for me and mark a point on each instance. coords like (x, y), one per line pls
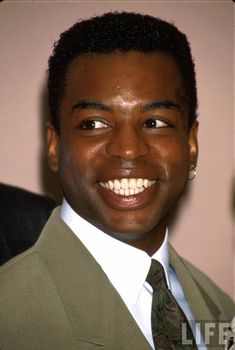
(127, 143)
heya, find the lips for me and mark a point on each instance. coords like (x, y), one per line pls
(127, 186)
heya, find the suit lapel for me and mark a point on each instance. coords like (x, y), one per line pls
(84, 289)
(202, 306)
(78, 280)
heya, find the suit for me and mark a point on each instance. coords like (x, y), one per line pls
(55, 296)
(22, 217)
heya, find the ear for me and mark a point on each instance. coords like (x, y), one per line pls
(193, 146)
(53, 147)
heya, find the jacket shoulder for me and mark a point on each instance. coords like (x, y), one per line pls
(20, 272)
(208, 287)
(31, 312)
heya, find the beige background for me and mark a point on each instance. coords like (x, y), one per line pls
(203, 232)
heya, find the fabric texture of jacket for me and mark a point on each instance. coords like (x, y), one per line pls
(55, 296)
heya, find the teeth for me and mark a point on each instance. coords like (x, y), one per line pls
(124, 183)
(140, 183)
(132, 191)
(146, 183)
(111, 185)
(132, 184)
(122, 191)
(127, 187)
(117, 185)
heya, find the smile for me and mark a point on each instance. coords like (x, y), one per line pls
(127, 187)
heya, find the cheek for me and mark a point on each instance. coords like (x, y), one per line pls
(173, 157)
(71, 165)
(78, 162)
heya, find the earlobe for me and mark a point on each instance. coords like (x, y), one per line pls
(53, 147)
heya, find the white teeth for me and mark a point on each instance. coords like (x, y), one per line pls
(127, 187)
(146, 183)
(117, 185)
(124, 183)
(132, 191)
(132, 183)
(140, 183)
(111, 185)
(122, 191)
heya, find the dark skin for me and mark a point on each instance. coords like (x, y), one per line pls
(124, 116)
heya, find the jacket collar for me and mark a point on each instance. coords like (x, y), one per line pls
(201, 302)
(80, 281)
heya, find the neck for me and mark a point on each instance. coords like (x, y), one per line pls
(149, 242)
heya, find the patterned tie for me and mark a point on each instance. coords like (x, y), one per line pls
(167, 316)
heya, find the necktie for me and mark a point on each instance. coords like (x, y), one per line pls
(166, 316)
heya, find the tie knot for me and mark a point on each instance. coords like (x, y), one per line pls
(156, 276)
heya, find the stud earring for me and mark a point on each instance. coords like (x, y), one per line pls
(192, 173)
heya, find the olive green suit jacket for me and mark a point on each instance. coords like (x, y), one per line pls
(55, 296)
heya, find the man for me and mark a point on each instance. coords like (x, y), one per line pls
(123, 138)
(22, 217)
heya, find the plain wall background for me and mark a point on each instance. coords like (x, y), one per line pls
(203, 232)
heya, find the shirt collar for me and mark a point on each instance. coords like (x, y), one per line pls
(125, 266)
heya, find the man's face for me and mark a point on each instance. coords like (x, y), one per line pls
(124, 149)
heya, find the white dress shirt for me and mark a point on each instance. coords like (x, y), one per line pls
(127, 267)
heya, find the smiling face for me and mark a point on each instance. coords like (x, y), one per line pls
(124, 148)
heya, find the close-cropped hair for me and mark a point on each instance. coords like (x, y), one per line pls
(123, 32)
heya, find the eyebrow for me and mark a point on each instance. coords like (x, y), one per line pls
(91, 105)
(166, 104)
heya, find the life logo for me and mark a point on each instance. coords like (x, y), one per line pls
(230, 337)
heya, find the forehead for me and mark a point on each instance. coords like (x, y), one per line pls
(146, 75)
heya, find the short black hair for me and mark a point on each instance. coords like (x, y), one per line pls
(121, 31)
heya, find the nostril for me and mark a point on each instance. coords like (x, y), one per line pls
(127, 144)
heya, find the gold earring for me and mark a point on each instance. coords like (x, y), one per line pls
(192, 173)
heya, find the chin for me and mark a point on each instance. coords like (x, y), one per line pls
(127, 236)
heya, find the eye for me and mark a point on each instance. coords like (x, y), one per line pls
(155, 123)
(92, 124)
